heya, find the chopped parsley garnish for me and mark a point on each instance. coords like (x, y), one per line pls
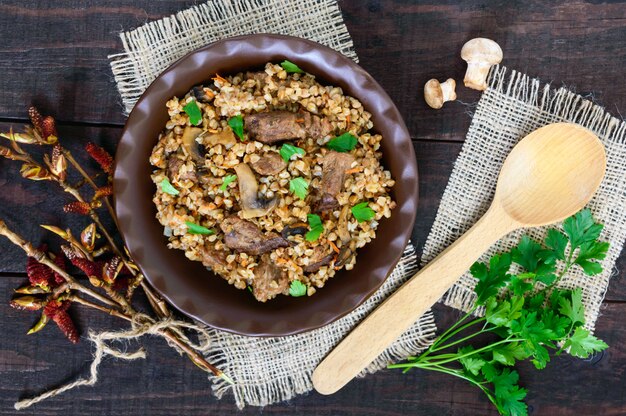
(316, 227)
(198, 229)
(344, 143)
(297, 289)
(236, 123)
(290, 67)
(194, 113)
(299, 187)
(288, 150)
(228, 179)
(362, 212)
(168, 188)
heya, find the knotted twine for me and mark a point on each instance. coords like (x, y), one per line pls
(141, 325)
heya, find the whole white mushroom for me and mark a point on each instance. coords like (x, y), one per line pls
(436, 93)
(480, 54)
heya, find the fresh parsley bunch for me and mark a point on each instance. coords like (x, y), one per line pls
(525, 311)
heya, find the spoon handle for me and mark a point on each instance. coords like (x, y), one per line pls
(400, 310)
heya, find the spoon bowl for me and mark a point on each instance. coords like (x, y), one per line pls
(551, 174)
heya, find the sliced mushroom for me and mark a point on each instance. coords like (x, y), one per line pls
(243, 236)
(276, 126)
(342, 225)
(334, 166)
(252, 205)
(344, 256)
(299, 228)
(320, 257)
(269, 280)
(225, 137)
(270, 163)
(190, 145)
(212, 258)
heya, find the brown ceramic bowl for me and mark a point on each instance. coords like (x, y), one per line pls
(198, 292)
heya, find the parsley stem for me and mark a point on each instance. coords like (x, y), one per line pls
(447, 334)
(482, 331)
(467, 354)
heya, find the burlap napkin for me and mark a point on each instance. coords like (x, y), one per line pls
(266, 370)
(513, 106)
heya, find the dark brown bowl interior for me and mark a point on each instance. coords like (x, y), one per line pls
(196, 291)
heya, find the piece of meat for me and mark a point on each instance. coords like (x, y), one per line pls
(317, 127)
(173, 167)
(269, 280)
(276, 126)
(269, 164)
(243, 236)
(212, 258)
(334, 166)
(320, 257)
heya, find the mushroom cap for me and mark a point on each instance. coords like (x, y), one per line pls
(482, 50)
(433, 94)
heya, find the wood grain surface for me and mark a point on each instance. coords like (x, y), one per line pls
(54, 54)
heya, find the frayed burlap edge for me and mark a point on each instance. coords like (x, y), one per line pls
(513, 106)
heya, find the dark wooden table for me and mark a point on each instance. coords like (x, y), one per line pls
(54, 54)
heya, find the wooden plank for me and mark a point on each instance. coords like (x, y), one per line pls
(61, 64)
(166, 384)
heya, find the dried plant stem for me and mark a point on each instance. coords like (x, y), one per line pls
(112, 312)
(85, 175)
(167, 333)
(43, 258)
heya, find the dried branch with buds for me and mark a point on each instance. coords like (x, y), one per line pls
(112, 275)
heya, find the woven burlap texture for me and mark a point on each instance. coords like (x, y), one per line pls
(266, 370)
(513, 106)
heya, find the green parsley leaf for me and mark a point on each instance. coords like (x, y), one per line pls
(297, 289)
(299, 187)
(290, 67)
(228, 179)
(519, 286)
(362, 212)
(344, 143)
(591, 250)
(492, 279)
(194, 113)
(527, 254)
(316, 227)
(168, 188)
(198, 229)
(502, 313)
(287, 150)
(509, 396)
(581, 228)
(532, 330)
(472, 363)
(557, 323)
(236, 123)
(573, 307)
(582, 344)
(489, 371)
(507, 354)
(556, 242)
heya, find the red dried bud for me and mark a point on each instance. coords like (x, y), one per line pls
(101, 156)
(77, 207)
(49, 130)
(38, 273)
(104, 191)
(57, 311)
(36, 119)
(59, 260)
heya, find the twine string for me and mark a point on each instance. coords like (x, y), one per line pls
(141, 325)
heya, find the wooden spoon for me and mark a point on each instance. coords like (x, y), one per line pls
(550, 174)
